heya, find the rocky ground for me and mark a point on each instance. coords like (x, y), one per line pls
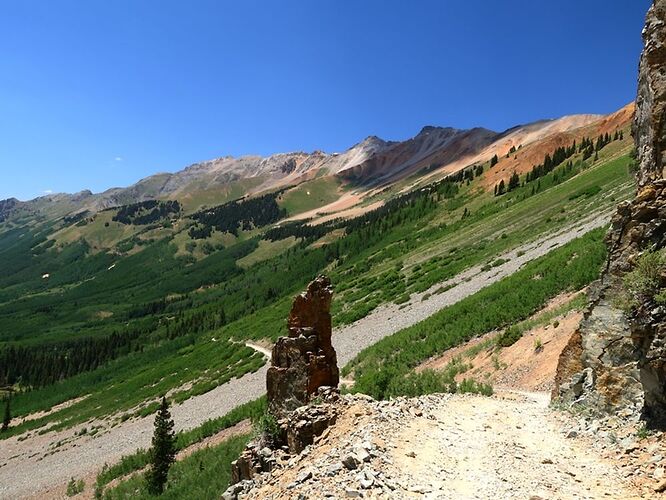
(43, 463)
(511, 445)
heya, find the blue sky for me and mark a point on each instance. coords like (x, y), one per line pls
(97, 93)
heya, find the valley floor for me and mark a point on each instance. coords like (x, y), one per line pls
(42, 464)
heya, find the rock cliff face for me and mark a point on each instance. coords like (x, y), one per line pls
(305, 360)
(616, 363)
(650, 122)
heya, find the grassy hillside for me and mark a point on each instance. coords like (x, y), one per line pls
(120, 298)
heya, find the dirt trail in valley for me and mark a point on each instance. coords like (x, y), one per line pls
(507, 447)
(34, 466)
(442, 446)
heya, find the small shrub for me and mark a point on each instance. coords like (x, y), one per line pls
(643, 283)
(267, 426)
(642, 432)
(497, 364)
(509, 337)
(75, 487)
(472, 386)
(538, 345)
(556, 324)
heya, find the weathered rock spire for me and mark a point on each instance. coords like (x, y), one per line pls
(305, 360)
(650, 122)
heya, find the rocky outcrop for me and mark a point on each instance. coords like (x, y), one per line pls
(301, 386)
(650, 123)
(616, 363)
(305, 360)
(296, 432)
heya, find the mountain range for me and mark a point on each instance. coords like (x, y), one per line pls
(371, 164)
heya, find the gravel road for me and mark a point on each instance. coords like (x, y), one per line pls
(35, 467)
(448, 446)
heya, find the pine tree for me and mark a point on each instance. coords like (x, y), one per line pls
(7, 417)
(163, 451)
(493, 161)
(514, 182)
(500, 188)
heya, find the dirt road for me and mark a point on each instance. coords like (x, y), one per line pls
(442, 446)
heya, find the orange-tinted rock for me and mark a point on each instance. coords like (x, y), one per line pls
(305, 360)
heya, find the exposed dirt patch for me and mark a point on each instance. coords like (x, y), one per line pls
(529, 364)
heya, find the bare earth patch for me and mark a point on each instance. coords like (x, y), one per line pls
(527, 365)
(448, 447)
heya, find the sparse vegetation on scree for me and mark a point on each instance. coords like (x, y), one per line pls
(385, 369)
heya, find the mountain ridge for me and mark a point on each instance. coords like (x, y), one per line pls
(369, 164)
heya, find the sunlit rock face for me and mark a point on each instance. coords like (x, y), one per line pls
(305, 360)
(616, 362)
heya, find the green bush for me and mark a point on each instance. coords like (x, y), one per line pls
(267, 425)
(75, 487)
(644, 282)
(510, 336)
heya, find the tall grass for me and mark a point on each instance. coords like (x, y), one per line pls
(203, 475)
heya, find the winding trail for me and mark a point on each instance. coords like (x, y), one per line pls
(34, 468)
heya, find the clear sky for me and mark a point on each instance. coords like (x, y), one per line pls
(99, 93)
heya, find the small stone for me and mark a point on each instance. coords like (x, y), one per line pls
(304, 476)
(333, 469)
(546, 461)
(361, 455)
(350, 462)
(658, 473)
(411, 454)
(660, 487)
(366, 483)
(571, 434)
(350, 493)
